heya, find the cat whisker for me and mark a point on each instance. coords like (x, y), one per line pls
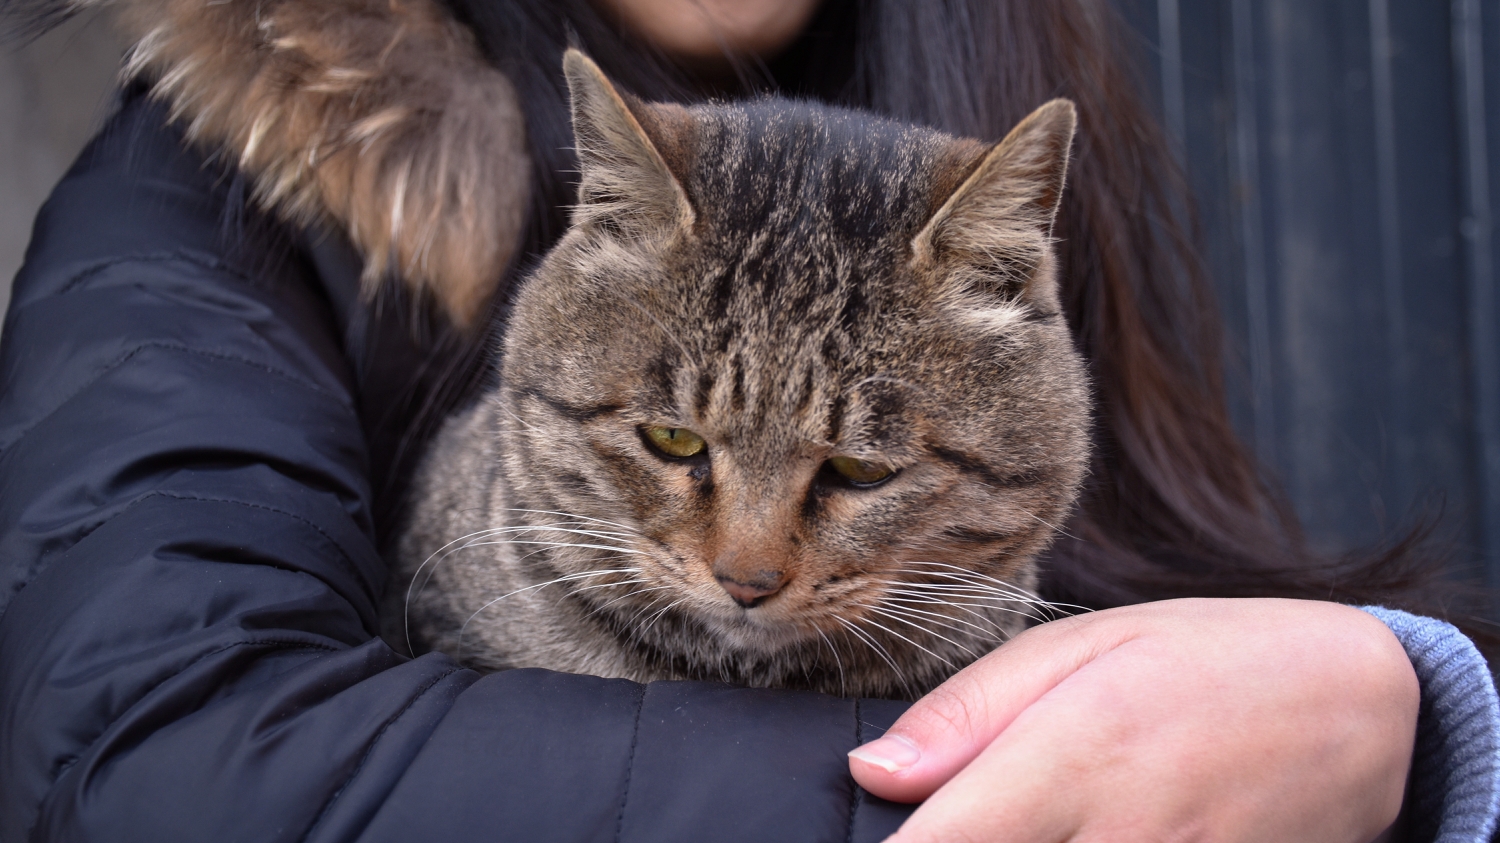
(655, 601)
(445, 549)
(889, 631)
(625, 527)
(584, 528)
(991, 603)
(966, 608)
(878, 649)
(983, 584)
(945, 621)
(962, 598)
(609, 585)
(524, 423)
(542, 546)
(1060, 531)
(1013, 605)
(963, 574)
(843, 685)
(594, 610)
(957, 582)
(972, 590)
(525, 556)
(958, 574)
(635, 593)
(581, 575)
(440, 554)
(968, 573)
(659, 615)
(970, 587)
(448, 549)
(565, 578)
(896, 615)
(530, 542)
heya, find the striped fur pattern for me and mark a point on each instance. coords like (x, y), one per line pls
(793, 283)
(379, 116)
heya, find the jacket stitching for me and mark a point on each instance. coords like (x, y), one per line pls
(346, 561)
(635, 734)
(92, 270)
(349, 566)
(269, 643)
(856, 794)
(370, 750)
(281, 644)
(125, 357)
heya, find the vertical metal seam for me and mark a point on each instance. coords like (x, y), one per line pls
(1173, 100)
(1382, 89)
(1478, 239)
(1252, 237)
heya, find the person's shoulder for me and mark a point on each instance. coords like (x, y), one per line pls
(384, 118)
(136, 192)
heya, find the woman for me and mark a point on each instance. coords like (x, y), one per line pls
(199, 404)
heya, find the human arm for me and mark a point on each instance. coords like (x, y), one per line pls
(187, 646)
(1216, 720)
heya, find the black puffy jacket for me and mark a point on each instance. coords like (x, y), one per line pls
(189, 576)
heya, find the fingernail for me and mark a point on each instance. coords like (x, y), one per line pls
(891, 753)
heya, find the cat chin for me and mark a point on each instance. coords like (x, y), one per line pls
(752, 632)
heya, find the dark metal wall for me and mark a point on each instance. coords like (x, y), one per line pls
(1346, 158)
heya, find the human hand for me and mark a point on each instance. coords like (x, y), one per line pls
(1185, 720)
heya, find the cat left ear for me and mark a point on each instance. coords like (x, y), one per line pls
(997, 225)
(626, 183)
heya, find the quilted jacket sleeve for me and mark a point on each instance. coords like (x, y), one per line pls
(188, 583)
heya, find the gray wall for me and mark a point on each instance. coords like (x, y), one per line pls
(1346, 157)
(54, 92)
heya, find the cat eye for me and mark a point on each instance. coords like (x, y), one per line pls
(860, 472)
(678, 442)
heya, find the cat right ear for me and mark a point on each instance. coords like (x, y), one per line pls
(625, 181)
(993, 234)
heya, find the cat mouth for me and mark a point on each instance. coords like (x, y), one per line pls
(771, 625)
(751, 631)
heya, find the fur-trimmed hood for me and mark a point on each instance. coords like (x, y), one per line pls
(379, 116)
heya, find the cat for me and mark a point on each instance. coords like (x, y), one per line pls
(792, 404)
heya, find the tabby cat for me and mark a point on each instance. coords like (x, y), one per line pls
(792, 404)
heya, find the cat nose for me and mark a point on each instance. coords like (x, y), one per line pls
(753, 593)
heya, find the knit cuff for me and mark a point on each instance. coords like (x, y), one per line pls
(1455, 777)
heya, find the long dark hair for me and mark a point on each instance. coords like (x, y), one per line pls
(1176, 504)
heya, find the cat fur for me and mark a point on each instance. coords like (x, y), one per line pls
(791, 281)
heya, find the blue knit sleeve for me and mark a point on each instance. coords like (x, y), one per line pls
(1455, 791)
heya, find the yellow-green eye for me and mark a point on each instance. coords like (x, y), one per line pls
(676, 441)
(859, 472)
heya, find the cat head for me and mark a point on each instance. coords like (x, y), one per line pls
(808, 369)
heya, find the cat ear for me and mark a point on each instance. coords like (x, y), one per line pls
(993, 234)
(626, 183)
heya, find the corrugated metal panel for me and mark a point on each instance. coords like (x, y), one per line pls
(1472, 62)
(1341, 152)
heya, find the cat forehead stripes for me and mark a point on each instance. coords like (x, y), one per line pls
(799, 170)
(827, 187)
(768, 239)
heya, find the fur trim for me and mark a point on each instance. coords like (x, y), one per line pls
(379, 114)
